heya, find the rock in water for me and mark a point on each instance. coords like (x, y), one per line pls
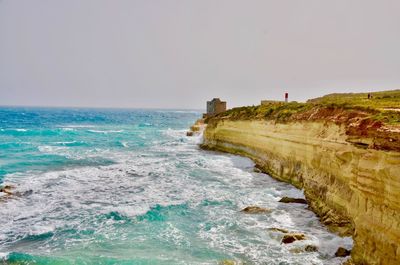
(290, 238)
(189, 133)
(311, 248)
(7, 189)
(293, 200)
(255, 210)
(342, 252)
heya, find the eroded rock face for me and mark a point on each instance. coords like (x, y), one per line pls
(293, 200)
(255, 210)
(291, 237)
(355, 191)
(196, 128)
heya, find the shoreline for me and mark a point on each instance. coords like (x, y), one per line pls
(345, 184)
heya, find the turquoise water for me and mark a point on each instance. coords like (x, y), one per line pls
(128, 187)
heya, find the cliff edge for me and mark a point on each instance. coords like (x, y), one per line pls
(343, 150)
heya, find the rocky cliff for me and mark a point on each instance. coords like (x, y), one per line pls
(350, 172)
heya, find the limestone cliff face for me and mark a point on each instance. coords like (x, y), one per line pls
(354, 190)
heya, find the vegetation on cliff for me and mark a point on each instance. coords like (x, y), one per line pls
(382, 106)
(372, 122)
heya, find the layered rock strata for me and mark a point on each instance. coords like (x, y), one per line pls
(355, 190)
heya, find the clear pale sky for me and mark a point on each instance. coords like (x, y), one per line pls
(178, 54)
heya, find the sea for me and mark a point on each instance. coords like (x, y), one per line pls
(127, 186)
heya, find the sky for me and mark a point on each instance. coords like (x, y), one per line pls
(181, 53)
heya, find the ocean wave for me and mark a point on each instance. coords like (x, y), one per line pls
(175, 133)
(66, 142)
(106, 132)
(166, 195)
(68, 129)
(78, 126)
(16, 130)
(123, 144)
(160, 213)
(145, 124)
(51, 149)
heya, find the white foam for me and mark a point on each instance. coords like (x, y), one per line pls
(68, 129)
(51, 149)
(78, 126)
(172, 172)
(4, 255)
(66, 142)
(41, 229)
(105, 132)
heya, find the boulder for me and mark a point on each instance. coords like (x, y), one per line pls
(342, 252)
(255, 210)
(7, 189)
(189, 133)
(311, 248)
(291, 237)
(293, 200)
(308, 248)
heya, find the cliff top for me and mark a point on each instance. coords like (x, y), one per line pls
(383, 100)
(377, 117)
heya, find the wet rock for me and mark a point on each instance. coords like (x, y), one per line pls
(308, 248)
(293, 200)
(311, 248)
(189, 133)
(255, 210)
(342, 252)
(7, 189)
(274, 229)
(195, 128)
(257, 170)
(291, 237)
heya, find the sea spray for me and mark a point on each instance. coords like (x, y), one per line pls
(142, 194)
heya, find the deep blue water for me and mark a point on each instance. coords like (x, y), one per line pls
(102, 186)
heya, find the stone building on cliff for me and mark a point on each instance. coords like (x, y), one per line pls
(215, 106)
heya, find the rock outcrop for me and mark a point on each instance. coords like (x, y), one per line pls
(342, 252)
(255, 210)
(291, 237)
(293, 200)
(7, 189)
(353, 187)
(196, 128)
